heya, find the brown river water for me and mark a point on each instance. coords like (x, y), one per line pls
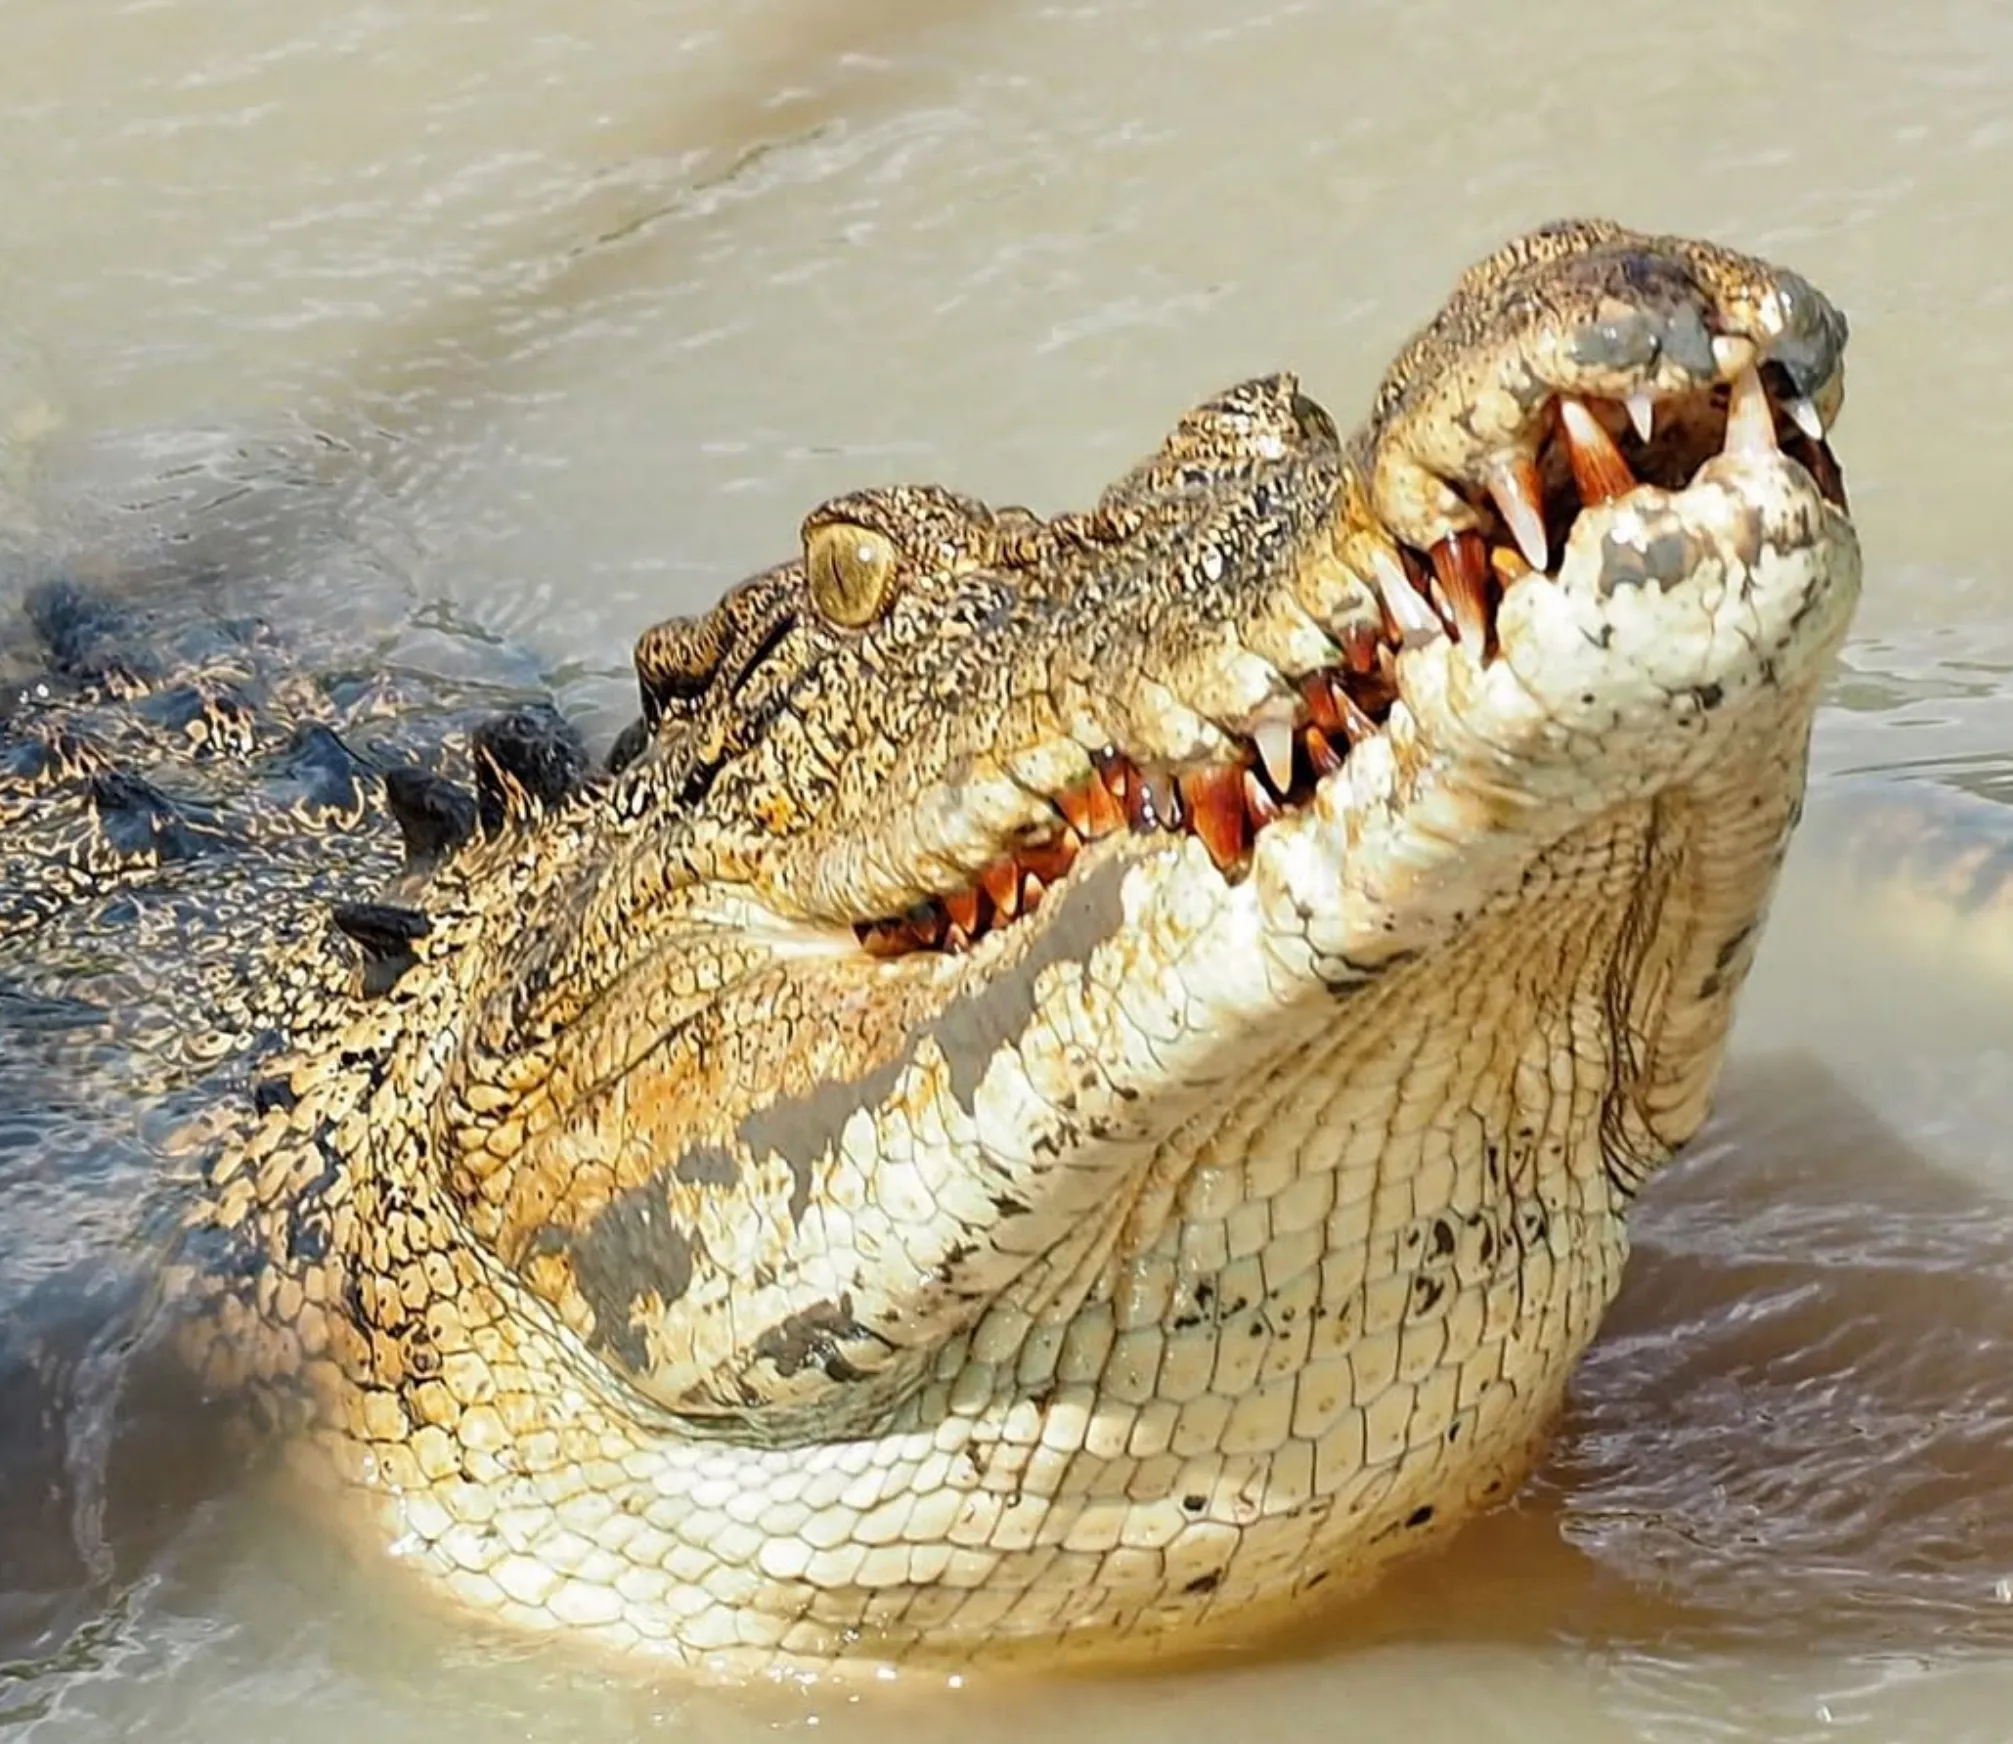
(514, 320)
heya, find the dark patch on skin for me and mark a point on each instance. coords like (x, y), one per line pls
(1813, 333)
(1671, 329)
(812, 1338)
(798, 1128)
(1205, 1583)
(1636, 340)
(330, 776)
(308, 1233)
(1668, 560)
(1750, 539)
(377, 925)
(29, 761)
(970, 1031)
(1627, 342)
(137, 819)
(630, 744)
(177, 709)
(630, 1248)
(707, 1165)
(271, 1093)
(77, 626)
(974, 1028)
(385, 933)
(308, 1240)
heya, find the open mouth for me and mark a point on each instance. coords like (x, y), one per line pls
(1589, 452)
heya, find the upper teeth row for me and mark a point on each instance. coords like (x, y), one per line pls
(1512, 482)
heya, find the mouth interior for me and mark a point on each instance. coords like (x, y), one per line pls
(1591, 451)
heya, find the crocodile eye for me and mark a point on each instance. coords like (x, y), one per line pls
(851, 570)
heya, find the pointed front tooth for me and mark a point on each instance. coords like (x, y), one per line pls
(1750, 422)
(1153, 802)
(1212, 799)
(1803, 413)
(1461, 566)
(1598, 467)
(961, 907)
(1415, 619)
(1000, 879)
(1259, 805)
(1513, 485)
(1642, 413)
(1322, 757)
(1356, 725)
(1274, 738)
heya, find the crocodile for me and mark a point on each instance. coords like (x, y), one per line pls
(1073, 1083)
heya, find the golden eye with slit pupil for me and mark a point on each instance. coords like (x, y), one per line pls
(851, 571)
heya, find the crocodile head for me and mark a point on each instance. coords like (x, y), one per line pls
(1167, 1003)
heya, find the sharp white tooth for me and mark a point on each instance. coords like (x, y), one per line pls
(1274, 738)
(1803, 413)
(1583, 425)
(1507, 481)
(1642, 413)
(1750, 423)
(1414, 617)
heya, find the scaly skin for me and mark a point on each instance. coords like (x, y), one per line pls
(656, 1262)
(182, 796)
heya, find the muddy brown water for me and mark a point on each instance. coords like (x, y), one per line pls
(524, 321)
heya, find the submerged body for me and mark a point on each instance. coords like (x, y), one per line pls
(1081, 1078)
